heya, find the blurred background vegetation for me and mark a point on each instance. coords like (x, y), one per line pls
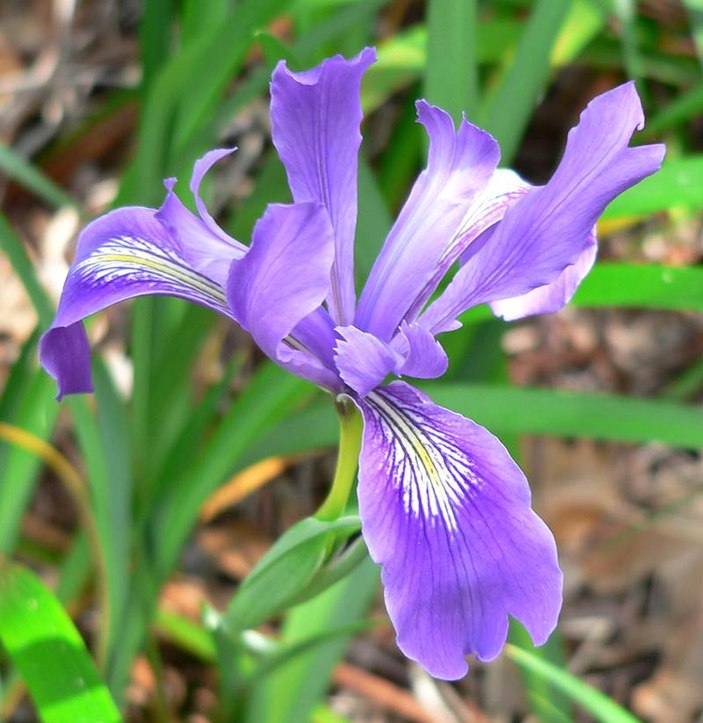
(129, 519)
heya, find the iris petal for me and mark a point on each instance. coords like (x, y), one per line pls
(315, 119)
(550, 228)
(446, 513)
(284, 278)
(362, 359)
(122, 255)
(552, 297)
(459, 165)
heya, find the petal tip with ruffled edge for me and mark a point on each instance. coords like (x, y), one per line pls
(446, 513)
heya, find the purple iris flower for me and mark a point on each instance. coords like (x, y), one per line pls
(446, 512)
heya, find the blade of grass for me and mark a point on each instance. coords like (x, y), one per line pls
(572, 414)
(12, 246)
(505, 409)
(105, 450)
(154, 38)
(548, 702)
(291, 693)
(695, 15)
(583, 23)
(46, 648)
(451, 73)
(35, 414)
(626, 13)
(682, 108)
(270, 395)
(646, 286)
(679, 183)
(604, 709)
(507, 109)
(25, 173)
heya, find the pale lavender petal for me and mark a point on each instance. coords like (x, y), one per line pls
(207, 252)
(121, 255)
(552, 297)
(549, 228)
(423, 356)
(363, 361)
(201, 167)
(459, 165)
(446, 514)
(315, 119)
(504, 188)
(284, 278)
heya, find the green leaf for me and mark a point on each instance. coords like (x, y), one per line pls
(681, 109)
(509, 106)
(643, 286)
(22, 171)
(573, 414)
(270, 395)
(679, 183)
(626, 12)
(451, 73)
(599, 705)
(31, 409)
(505, 409)
(287, 572)
(49, 653)
(583, 23)
(291, 693)
(154, 38)
(547, 701)
(695, 14)
(22, 265)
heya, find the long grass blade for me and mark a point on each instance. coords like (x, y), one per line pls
(451, 73)
(49, 653)
(507, 108)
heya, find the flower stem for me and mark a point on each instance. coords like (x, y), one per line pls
(351, 426)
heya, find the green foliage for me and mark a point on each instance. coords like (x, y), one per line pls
(147, 465)
(49, 653)
(298, 566)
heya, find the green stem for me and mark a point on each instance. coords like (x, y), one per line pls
(351, 426)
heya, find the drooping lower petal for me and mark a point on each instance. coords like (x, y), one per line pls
(315, 119)
(459, 165)
(446, 513)
(549, 229)
(283, 279)
(121, 255)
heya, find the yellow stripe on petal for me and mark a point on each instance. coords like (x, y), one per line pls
(136, 260)
(433, 476)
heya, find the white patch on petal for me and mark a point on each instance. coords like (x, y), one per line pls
(433, 475)
(135, 260)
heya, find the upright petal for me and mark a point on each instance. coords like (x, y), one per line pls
(315, 119)
(459, 165)
(422, 355)
(124, 254)
(549, 229)
(283, 279)
(201, 167)
(446, 513)
(207, 252)
(504, 188)
(363, 360)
